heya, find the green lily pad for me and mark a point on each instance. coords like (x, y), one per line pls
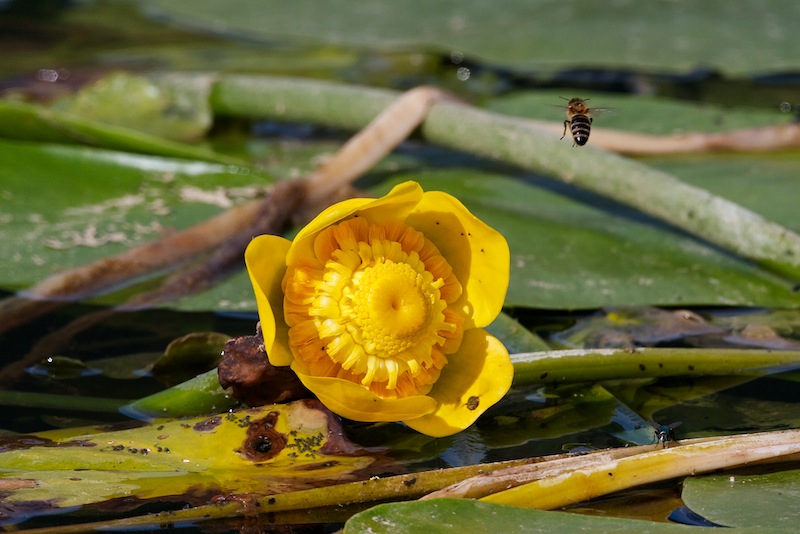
(547, 34)
(737, 500)
(67, 206)
(566, 254)
(441, 516)
(764, 183)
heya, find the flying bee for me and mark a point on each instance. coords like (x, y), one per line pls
(663, 434)
(579, 120)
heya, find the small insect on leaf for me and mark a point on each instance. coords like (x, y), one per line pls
(664, 434)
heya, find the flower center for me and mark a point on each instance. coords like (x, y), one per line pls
(391, 306)
(374, 311)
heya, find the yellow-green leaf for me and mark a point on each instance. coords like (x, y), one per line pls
(270, 449)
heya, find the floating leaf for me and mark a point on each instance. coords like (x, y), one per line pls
(27, 122)
(765, 183)
(449, 516)
(661, 36)
(745, 500)
(115, 201)
(268, 449)
(566, 254)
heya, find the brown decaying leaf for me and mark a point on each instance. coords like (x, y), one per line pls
(246, 370)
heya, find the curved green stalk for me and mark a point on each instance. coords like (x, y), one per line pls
(516, 141)
(590, 365)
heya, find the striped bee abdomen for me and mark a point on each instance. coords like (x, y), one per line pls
(580, 126)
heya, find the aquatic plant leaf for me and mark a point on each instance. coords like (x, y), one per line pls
(270, 449)
(556, 33)
(115, 201)
(764, 183)
(179, 112)
(446, 516)
(745, 500)
(628, 327)
(567, 254)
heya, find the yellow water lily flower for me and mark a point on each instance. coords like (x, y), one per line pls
(379, 306)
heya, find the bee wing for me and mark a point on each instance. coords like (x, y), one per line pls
(601, 111)
(674, 425)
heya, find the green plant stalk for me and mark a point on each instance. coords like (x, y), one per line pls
(515, 141)
(591, 365)
(203, 394)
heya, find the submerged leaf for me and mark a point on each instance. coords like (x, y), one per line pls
(188, 356)
(630, 326)
(169, 111)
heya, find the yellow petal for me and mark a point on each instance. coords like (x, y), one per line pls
(397, 204)
(265, 258)
(353, 401)
(477, 252)
(475, 378)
